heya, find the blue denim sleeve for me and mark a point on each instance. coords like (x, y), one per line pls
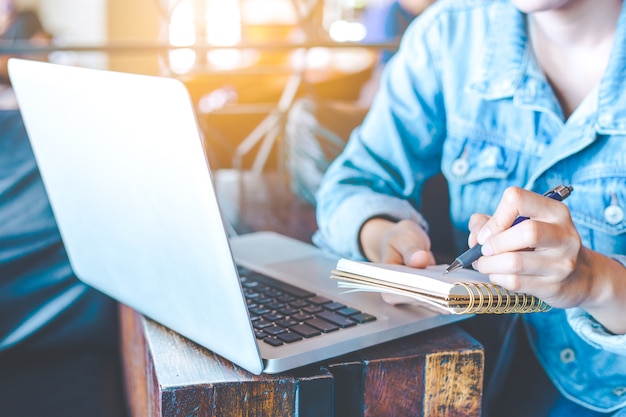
(343, 227)
(593, 332)
(383, 167)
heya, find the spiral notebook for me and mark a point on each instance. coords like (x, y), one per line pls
(464, 291)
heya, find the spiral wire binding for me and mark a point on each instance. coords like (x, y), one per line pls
(493, 299)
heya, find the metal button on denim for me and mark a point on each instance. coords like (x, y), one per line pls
(614, 214)
(460, 167)
(567, 355)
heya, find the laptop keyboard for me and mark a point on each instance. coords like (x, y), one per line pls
(282, 313)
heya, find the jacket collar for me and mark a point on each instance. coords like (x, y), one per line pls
(508, 69)
(505, 54)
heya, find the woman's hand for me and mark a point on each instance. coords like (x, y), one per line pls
(543, 256)
(404, 242)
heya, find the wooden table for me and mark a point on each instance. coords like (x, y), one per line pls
(435, 373)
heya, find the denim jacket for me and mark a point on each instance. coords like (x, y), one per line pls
(465, 97)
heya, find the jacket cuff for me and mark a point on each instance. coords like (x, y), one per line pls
(592, 332)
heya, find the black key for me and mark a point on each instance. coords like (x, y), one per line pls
(334, 306)
(298, 292)
(301, 316)
(299, 303)
(273, 316)
(322, 325)
(273, 341)
(348, 311)
(289, 337)
(259, 334)
(252, 295)
(305, 330)
(259, 310)
(286, 323)
(275, 306)
(274, 330)
(337, 319)
(318, 299)
(261, 324)
(363, 318)
(288, 311)
(313, 309)
(273, 292)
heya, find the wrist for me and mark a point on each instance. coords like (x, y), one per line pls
(607, 292)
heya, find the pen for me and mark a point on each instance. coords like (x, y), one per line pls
(558, 193)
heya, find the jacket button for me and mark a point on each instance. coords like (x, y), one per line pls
(614, 214)
(460, 167)
(567, 355)
(619, 391)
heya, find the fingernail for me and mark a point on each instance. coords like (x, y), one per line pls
(486, 250)
(484, 235)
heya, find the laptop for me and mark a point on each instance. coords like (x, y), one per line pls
(123, 163)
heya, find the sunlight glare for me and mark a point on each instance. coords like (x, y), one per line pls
(223, 28)
(182, 33)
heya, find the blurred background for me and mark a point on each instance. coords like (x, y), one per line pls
(244, 62)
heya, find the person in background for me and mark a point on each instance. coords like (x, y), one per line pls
(386, 22)
(58, 338)
(17, 27)
(507, 98)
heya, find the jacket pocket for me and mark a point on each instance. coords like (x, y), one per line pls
(478, 172)
(598, 208)
(471, 160)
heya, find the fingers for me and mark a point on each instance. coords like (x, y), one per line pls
(518, 202)
(529, 234)
(537, 255)
(476, 223)
(389, 255)
(406, 243)
(419, 258)
(548, 273)
(413, 244)
(513, 263)
(504, 216)
(548, 223)
(412, 255)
